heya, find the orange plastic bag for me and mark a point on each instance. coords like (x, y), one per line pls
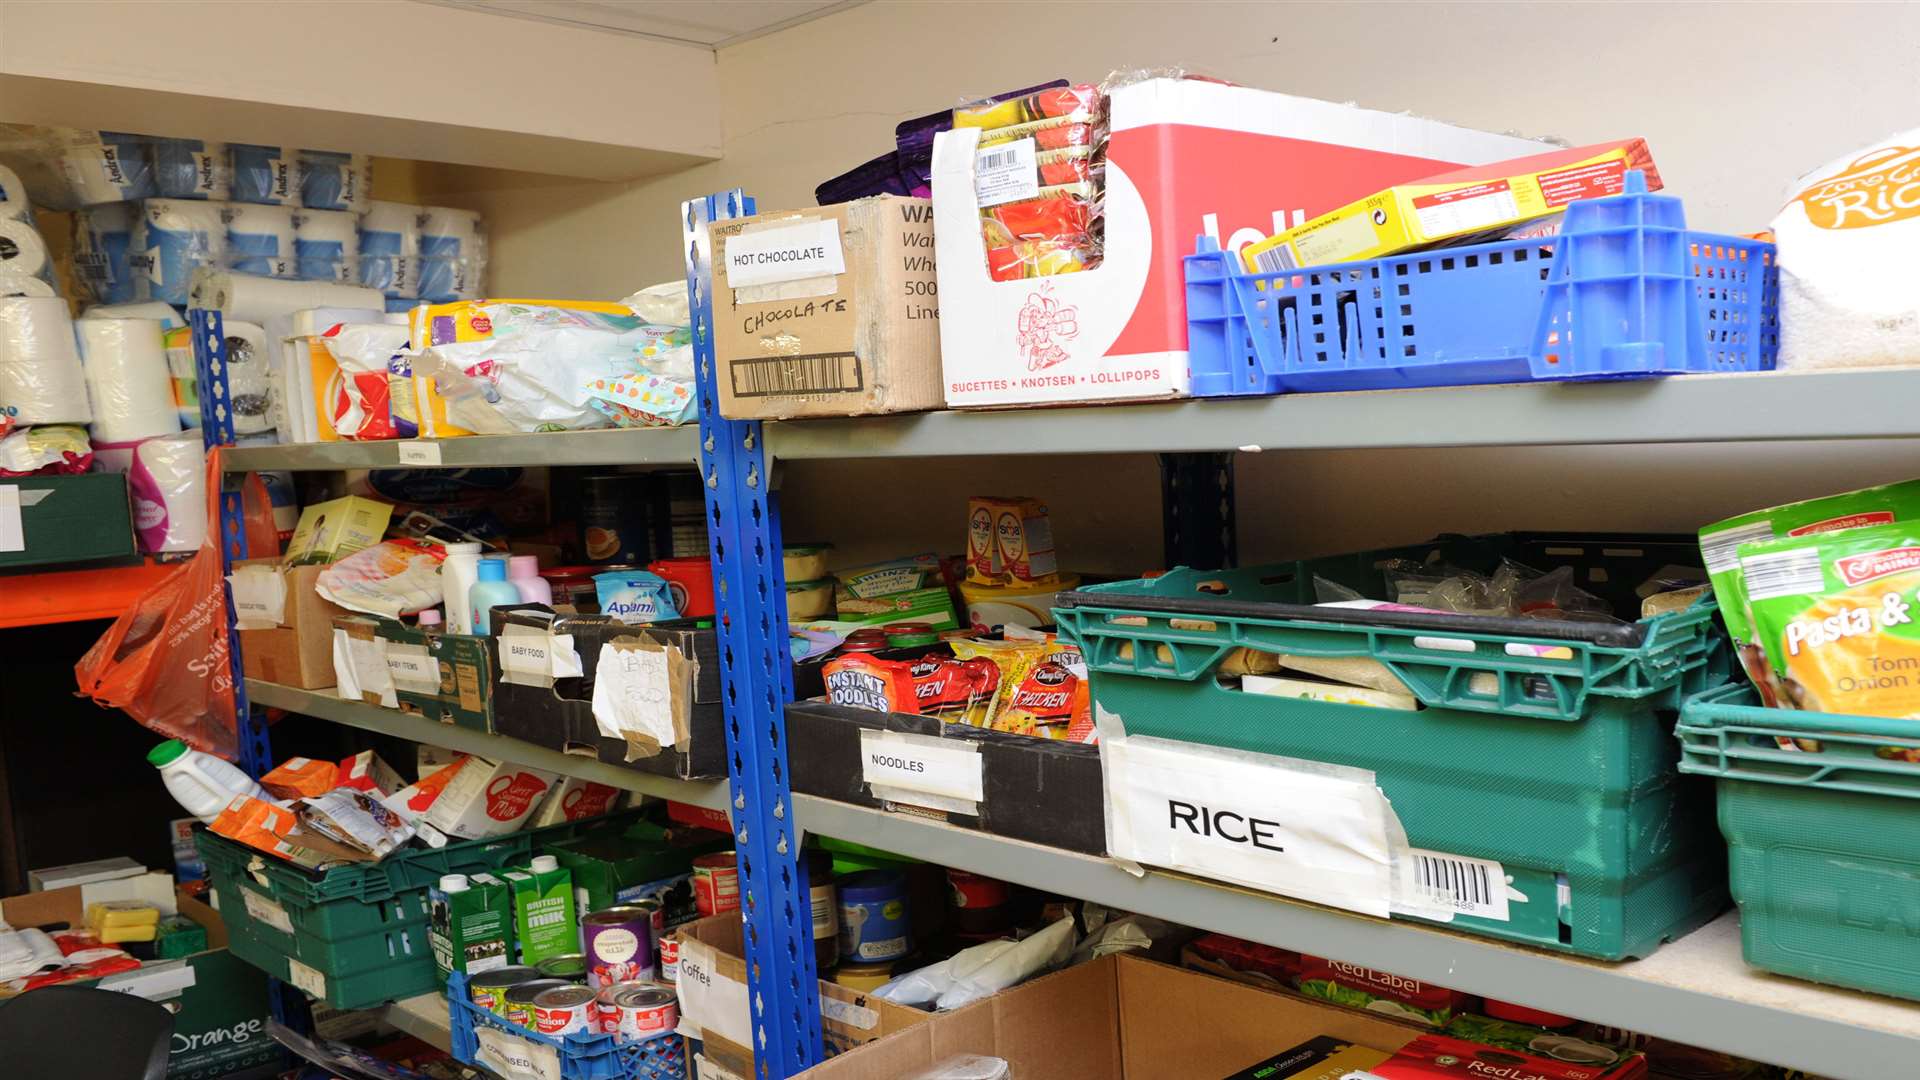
(165, 662)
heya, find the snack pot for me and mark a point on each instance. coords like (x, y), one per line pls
(1184, 157)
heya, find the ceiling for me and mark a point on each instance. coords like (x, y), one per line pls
(707, 24)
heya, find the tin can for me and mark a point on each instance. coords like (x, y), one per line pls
(613, 515)
(569, 966)
(564, 1010)
(670, 961)
(620, 944)
(517, 1004)
(632, 1011)
(863, 978)
(488, 989)
(873, 917)
(716, 883)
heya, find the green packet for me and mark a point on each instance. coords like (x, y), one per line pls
(1720, 542)
(1838, 615)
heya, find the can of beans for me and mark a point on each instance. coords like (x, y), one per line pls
(716, 883)
(518, 1000)
(488, 989)
(670, 960)
(620, 944)
(632, 1011)
(564, 1010)
(569, 966)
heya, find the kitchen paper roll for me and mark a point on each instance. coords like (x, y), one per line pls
(14, 205)
(190, 169)
(255, 299)
(249, 389)
(326, 244)
(260, 239)
(41, 380)
(390, 248)
(172, 239)
(451, 251)
(166, 315)
(22, 250)
(264, 174)
(168, 481)
(103, 249)
(335, 181)
(127, 376)
(22, 285)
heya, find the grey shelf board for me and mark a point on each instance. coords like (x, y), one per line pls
(323, 704)
(1696, 990)
(423, 1016)
(1861, 404)
(629, 446)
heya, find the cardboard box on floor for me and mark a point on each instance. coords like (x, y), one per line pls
(220, 1016)
(827, 311)
(713, 1000)
(1118, 1016)
(298, 652)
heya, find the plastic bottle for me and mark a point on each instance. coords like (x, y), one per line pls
(200, 783)
(457, 575)
(492, 588)
(524, 572)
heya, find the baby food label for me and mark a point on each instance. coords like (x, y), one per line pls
(1006, 173)
(903, 768)
(1298, 828)
(807, 249)
(634, 692)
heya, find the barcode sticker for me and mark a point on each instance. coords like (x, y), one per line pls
(1468, 886)
(825, 373)
(1783, 573)
(306, 978)
(1721, 550)
(1276, 259)
(1006, 173)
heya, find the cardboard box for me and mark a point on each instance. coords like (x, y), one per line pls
(1044, 791)
(332, 530)
(1184, 157)
(549, 664)
(359, 662)
(445, 677)
(298, 652)
(411, 667)
(827, 311)
(86, 873)
(1115, 1016)
(713, 1000)
(66, 519)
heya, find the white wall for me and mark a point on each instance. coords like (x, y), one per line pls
(1734, 98)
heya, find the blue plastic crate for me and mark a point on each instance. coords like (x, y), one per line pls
(582, 1057)
(1624, 291)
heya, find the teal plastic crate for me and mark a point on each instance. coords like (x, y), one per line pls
(354, 936)
(1823, 841)
(1541, 744)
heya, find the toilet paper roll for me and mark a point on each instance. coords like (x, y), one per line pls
(22, 285)
(260, 239)
(190, 169)
(22, 250)
(255, 299)
(390, 248)
(105, 167)
(103, 249)
(14, 205)
(168, 481)
(249, 389)
(172, 239)
(451, 250)
(128, 379)
(166, 315)
(326, 244)
(335, 181)
(41, 380)
(269, 175)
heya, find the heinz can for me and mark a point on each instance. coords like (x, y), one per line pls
(670, 960)
(564, 1010)
(716, 883)
(620, 944)
(488, 989)
(519, 999)
(633, 1011)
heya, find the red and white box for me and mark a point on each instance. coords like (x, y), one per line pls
(1184, 157)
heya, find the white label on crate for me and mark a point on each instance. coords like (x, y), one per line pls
(1460, 883)
(419, 452)
(267, 911)
(516, 1058)
(808, 249)
(13, 537)
(1298, 828)
(710, 1001)
(306, 979)
(910, 764)
(857, 1017)
(1006, 173)
(412, 669)
(526, 658)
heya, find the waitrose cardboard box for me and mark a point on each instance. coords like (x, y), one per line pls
(827, 311)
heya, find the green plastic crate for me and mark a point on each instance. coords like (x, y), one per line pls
(358, 933)
(1543, 745)
(1823, 844)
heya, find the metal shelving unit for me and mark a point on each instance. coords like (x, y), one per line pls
(629, 446)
